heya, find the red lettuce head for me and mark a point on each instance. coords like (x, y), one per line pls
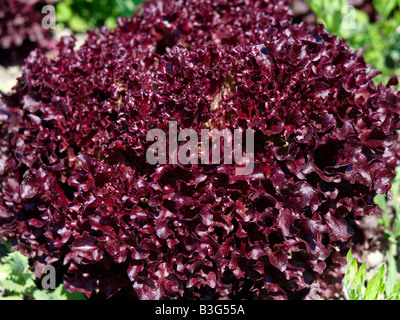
(77, 191)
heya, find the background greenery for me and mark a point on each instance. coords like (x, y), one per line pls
(356, 287)
(380, 39)
(18, 282)
(82, 15)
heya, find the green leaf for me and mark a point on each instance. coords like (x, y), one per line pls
(18, 263)
(15, 275)
(43, 295)
(75, 296)
(78, 24)
(348, 256)
(353, 271)
(380, 200)
(384, 7)
(63, 11)
(396, 232)
(392, 274)
(389, 234)
(354, 278)
(110, 22)
(58, 294)
(359, 280)
(376, 285)
(384, 220)
(395, 293)
(13, 286)
(13, 297)
(5, 271)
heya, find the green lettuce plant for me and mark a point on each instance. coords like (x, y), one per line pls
(18, 282)
(377, 288)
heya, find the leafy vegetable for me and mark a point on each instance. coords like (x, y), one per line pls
(354, 283)
(76, 186)
(57, 294)
(19, 282)
(15, 275)
(380, 40)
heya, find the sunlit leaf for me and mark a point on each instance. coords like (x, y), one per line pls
(376, 285)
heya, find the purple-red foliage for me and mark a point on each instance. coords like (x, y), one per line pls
(76, 190)
(21, 29)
